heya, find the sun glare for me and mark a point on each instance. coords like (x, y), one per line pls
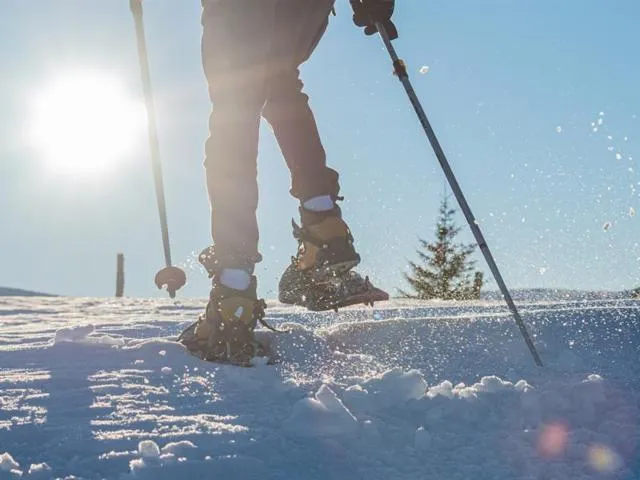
(84, 122)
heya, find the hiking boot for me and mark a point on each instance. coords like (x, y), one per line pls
(319, 276)
(325, 244)
(225, 332)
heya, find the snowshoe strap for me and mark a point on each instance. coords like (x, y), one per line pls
(259, 314)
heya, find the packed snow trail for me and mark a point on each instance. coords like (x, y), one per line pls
(96, 388)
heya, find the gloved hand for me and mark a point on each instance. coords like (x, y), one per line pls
(366, 13)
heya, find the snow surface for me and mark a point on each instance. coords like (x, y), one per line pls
(96, 388)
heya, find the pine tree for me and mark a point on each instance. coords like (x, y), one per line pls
(445, 271)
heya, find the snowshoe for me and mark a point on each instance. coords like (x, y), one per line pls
(319, 276)
(224, 333)
(331, 292)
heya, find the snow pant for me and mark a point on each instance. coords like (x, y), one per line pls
(252, 50)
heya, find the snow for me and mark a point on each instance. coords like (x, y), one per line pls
(96, 388)
(7, 463)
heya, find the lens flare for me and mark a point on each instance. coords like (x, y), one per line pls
(603, 459)
(552, 441)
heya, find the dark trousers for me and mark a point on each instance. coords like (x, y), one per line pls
(252, 50)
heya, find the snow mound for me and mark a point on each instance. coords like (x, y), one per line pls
(39, 471)
(391, 388)
(148, 449)
(7, 463)
(84, 334)
(178, 448)
(9, 466)
(323, 415)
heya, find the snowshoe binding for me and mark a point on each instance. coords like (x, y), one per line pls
(224, 333)
(320, 276)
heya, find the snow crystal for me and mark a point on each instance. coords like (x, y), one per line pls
(7, 463)
(424, 69)
(324, 415)
(166, 370)
(618, 156)
(559, 129)
(148, 449)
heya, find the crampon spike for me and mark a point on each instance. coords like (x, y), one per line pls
(173, 278)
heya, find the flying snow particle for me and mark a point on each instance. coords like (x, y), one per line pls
(606, 226)
(602, 114)
(600, 121)
(618, 156)
(632, 212)
(542, 270)
(559, 129)
(626, 138)
(609, 137)
(424, 69)
(610, 148)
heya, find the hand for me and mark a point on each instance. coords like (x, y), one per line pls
(366, 13)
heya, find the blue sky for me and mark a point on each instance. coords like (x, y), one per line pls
(514, 91)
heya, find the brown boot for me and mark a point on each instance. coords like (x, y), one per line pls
(225, 332)
(325, 244)
(319, 276)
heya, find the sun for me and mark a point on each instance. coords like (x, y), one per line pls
(84, 122)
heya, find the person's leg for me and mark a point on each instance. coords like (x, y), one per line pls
(234, 53)
(233, 50)
(300, 26)
(320, 275)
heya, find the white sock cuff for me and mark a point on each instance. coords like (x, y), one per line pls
(235, 278)
(322, 203)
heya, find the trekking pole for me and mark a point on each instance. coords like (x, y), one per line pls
(400, 70)
(173, 278)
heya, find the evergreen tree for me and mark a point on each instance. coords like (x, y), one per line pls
(445, 270)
